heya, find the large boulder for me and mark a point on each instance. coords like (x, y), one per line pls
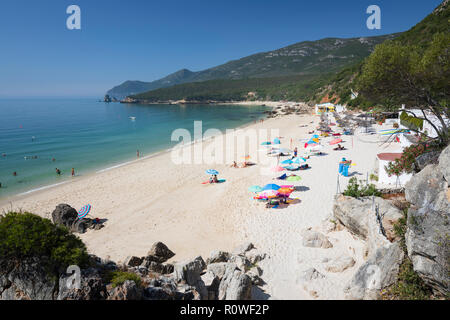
(427, 236)
(64, 215)
(91, 287)
(353, 213)
(378, 272)
(218, 256)
(27, 280)
(161, 252)
(190, 270)
(235, 285)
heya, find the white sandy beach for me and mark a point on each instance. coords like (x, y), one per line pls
(155, 200)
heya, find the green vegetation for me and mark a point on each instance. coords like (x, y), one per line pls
(413, 69)
(411, 121)
(117, 278)
(25, 235)
(409, 285)
(277, 88)
(321, 57)
(405, 164)
(358, 190)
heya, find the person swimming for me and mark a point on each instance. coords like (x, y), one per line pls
(58, 172)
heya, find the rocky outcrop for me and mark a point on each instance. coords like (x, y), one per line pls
(235, 285)
(427, 236)
(231, 279)
(27, 280)
(378, 272)
(353, 213)
(92, 286)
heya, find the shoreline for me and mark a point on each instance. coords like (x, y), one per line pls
(93, 171)
(156, 200)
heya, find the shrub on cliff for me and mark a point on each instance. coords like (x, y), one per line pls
(26, 235)
(117, 278)
(356, 190)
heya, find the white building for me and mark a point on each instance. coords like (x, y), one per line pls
(383, 177)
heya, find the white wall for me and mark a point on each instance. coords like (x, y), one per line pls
(383, 177)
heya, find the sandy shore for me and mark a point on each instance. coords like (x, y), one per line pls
(156, 200)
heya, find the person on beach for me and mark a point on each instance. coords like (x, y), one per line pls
(295, 152)
(215, 180)
(58, 172)
(234, 165)
(137, 153)
(73, 172)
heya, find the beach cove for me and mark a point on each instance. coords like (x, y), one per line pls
(155, 200)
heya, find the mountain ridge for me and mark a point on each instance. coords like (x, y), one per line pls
(306, 57)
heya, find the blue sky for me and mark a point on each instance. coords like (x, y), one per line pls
(146, 39)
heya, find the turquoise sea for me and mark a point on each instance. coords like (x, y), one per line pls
(89, 135)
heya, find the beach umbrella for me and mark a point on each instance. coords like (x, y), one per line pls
(84, 211)
(212, 171)
(335, 141)
(276, 141)
(287, 161)
(285, 191)
(298, 160)
(267, 194)
(293, 178)
(255, 189)
(277, 169)
(246, 157)
(271, 186)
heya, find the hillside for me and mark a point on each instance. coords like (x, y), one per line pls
(420, 35)
(297, 87)
(303, 58)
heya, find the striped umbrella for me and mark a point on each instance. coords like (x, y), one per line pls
(267, 194)
(84, 211)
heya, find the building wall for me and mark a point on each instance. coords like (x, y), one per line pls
(383, 177)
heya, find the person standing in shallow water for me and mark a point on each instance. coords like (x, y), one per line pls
(73, 172)
(58, 172)
(137, 153)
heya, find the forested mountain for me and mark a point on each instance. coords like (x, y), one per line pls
(303, 58)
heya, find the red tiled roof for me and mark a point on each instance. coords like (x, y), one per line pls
(389, 156)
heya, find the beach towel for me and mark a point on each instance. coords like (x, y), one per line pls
(283, 177)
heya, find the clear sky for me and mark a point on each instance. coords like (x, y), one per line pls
(145, 39)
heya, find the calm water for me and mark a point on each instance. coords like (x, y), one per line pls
(89, 135)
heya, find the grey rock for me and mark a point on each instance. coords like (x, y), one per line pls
(27, 280)
(425, 159)
(92, 286)
(161, 268)
(160, 251)
(64, 215)
(134, 261)
(315, 239)
(353, 213)
(127, 291)
(378, 272)
(241, 262)
(427, 236)
(235, 285)
(189, 270)
(255, 256)
(218, 256)
(340, 264)
(218, 269)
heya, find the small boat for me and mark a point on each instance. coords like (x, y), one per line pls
(132, 118)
